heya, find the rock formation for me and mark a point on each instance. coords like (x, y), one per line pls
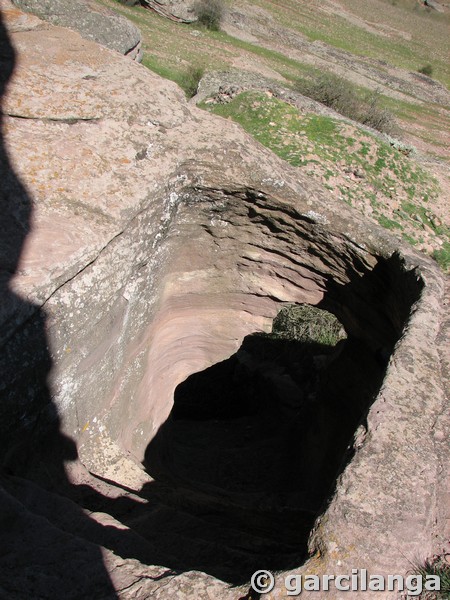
(142, 241)
(434, 5)
(92, 20)
(176, 10)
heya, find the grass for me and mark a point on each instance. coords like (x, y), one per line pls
(344, 29)
(171, 48)
(389, 223)
(356, 167)
(288, 67)
(436, 566)
(296, 138)
(442, 257)
(305, 323)
(324, 148)
(170, 45)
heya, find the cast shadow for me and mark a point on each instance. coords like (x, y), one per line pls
(252, 449)
(254, 445)
(50, 546)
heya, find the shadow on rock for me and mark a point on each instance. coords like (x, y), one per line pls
(42, 552)
(253, 447)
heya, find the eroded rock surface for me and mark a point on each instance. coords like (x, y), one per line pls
(92, 20)
(177, 10)
(142, 240)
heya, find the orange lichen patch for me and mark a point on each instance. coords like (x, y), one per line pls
(15, 19)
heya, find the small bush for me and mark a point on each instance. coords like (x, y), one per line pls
(374, 115)
(305, 323)
(442, 257)
(190, 79)
(435, 566)
(210, 13)
(426, 70)
(340, 95)
(335, 92)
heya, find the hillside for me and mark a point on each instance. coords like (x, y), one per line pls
(379, 47)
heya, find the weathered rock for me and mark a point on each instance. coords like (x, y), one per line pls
(92, 21)
(176, 10)
(142, 239)
(434, 5)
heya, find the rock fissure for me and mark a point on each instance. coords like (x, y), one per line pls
(65, 120)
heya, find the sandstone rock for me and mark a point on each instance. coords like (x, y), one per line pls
(176, 10)
(142, 240)
(434, 5)
(92, 21)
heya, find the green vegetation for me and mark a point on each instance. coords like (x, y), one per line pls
(435, 566)
(342, 96)
(389, 223)
(210, 13)
(357, 167)
(426, 70)
(170, 48)
(442, 257)
(305, 323)
(187, 77)
(305, 139)
(154, 64)
(190, 80)
(344, 29)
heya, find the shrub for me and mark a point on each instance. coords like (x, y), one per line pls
(190, 79)
(435, 566)
(305, 323)
(210, 13)
(374, 115)
(342, 96)
(331, 90)
(442, 257)
(426, 70)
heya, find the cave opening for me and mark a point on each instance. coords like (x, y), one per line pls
(261, 437)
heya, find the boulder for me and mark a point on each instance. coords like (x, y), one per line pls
(92, 21)
(176, 10)
(434, 5)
